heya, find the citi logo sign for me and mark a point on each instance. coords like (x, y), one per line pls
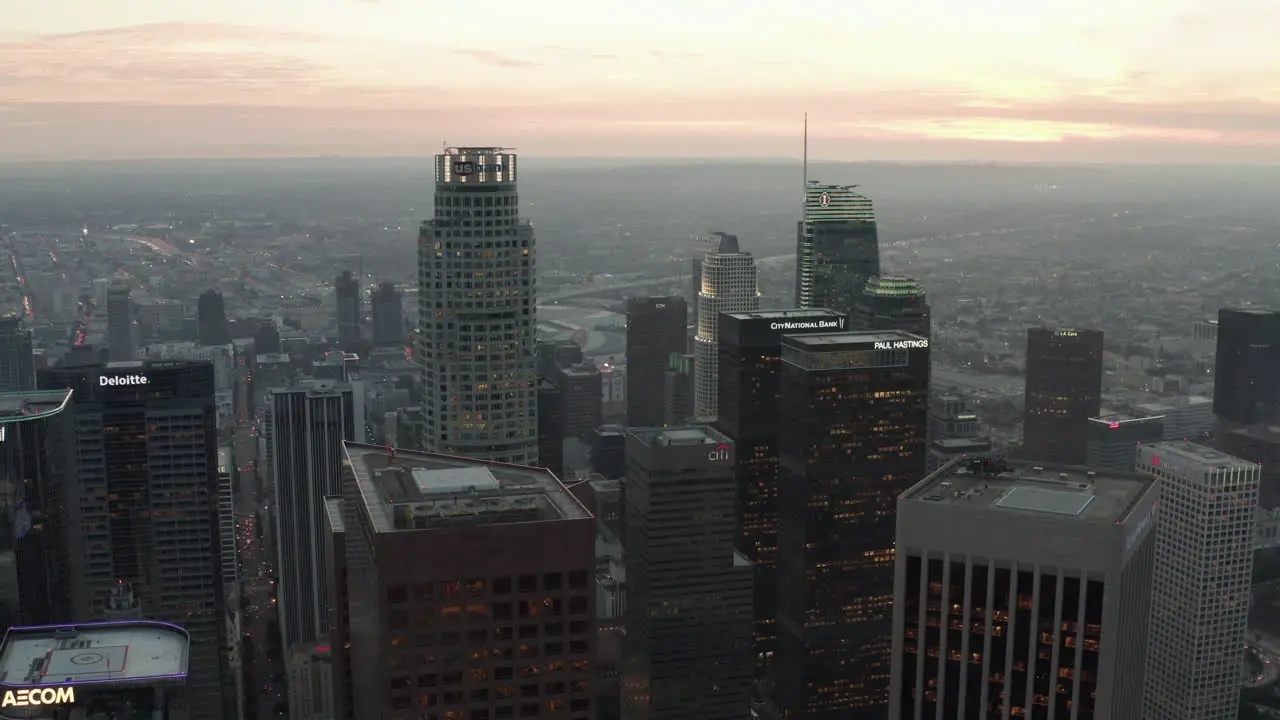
(104, 380)
(39, 696)
(720, 453)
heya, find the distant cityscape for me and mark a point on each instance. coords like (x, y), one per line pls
(247, 477)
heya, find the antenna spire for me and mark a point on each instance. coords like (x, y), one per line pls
(804, 190)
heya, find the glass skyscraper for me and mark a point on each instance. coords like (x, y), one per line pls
(837, 248)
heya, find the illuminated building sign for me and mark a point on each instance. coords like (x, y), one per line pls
(836, 324)
(469, 168)
(902, 344)
(39, 696)
(1067, 333)
(720, 453)
(112, 380)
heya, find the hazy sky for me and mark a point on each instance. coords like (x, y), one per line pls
(1095, 80)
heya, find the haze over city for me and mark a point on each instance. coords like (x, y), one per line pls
(1127, 81)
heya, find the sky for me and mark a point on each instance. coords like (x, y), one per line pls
(1152, 81)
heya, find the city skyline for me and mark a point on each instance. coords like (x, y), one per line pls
(1128, 81)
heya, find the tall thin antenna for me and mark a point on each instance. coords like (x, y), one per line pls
(805, 190)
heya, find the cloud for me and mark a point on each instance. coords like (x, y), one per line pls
(492, 58)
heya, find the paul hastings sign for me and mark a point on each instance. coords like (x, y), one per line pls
(38, 696)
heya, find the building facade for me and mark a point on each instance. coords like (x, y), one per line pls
(750, 366)
(483, 561)
(211, 319)
(656, 328)
(477, 311)
(728, 284)
(1203, 574)
(892, 302)
(1064, 390)
(854, 421)
(1022, 591)
(388, 316)
(120, 342)
(146, 456)
(1113, 440)
(17, 359)
(1246, 387)
(687, 650)
(837, 248)
(305, 429)
(37, 509)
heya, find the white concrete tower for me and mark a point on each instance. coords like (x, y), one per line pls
(728, 284)
(477, 312)
(1203, 568)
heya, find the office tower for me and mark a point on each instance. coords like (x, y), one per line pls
(335, 543)
(892, 302)
(146, 449)
(613, 392)
(656, 328)
(1186, 417)
(608, 448)
(1064, 390)
(557, 354)
(227, 519)
(750, 365)
(687, 651)
(305, 429)
(583, 402)
(129, 669)
(388, 316)
(119, 323)
(266, 338)
(17, 361)
(551, 427)
(837, 248)
(728, 285)
(347, 297)
(1022, 591)
(1246, 388)
(477, 312)
(1203, 568)
(1204, 339)
(678, 389)
(1112, 440)
(500, 557)
(37, 510)
(853, 415)
(954, 430)
(211, 319)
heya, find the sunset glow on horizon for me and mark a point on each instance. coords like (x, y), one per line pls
(1129, 80)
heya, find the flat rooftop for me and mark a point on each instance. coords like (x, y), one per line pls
(1121, 418)
(689, 435)
(405, 490)
(1058, 492)
(792, 314)
(117, 652)
(19, 406)
(1199, 454)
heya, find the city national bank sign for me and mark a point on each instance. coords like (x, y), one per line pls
(114, 380)
(833, 324)
(38, 696)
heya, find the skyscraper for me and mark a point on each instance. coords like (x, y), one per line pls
(347, 298)
(1203, 571)
(892, 302)
(146, 451)
(750, 366)
(17, 363)
(656, 328)
(477, 310)
(37, 509)
(1022, 591)
(678, 389)
(837, 247)
(688, 617)
(306, 427)
(500, 558)
(1064, 390)
(728, 280)
(388, 316)
(211, 319)
(119, 323)
(1246, 387)
(551, 427)
(1112, 440)
(853, 413)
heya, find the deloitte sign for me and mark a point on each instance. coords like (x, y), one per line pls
(113, 380)
(38, 696)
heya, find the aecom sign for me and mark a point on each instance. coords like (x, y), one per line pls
(38, 696)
